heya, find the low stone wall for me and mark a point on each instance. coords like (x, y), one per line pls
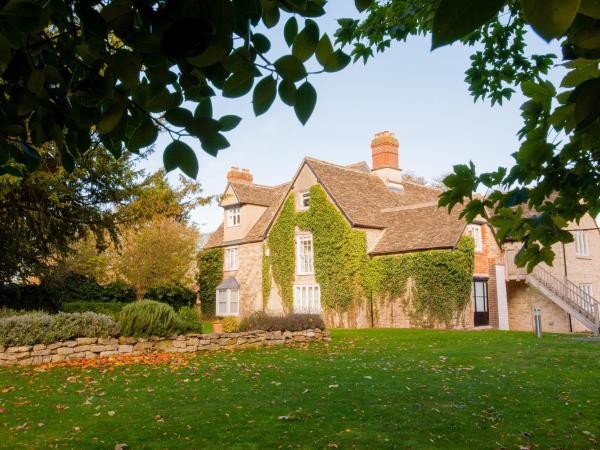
(90, 348)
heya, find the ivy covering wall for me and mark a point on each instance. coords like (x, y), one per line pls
(266, 277)
(433, 286)
(210, 274)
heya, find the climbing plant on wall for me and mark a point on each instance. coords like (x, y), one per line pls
(210, 274)
(266, 277)
(433, 286)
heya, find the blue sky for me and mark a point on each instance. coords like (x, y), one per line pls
(417, 94)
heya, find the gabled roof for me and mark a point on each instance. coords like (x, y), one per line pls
(253, 194)
(410, 219)
(229, 283)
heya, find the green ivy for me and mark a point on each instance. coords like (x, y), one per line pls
(210, 274)
(266, 277)
(434, 286)
(282, 252)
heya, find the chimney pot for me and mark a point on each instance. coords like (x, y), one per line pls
(235, 175)
(384, 149)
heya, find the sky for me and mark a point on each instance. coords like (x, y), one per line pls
(419, 95)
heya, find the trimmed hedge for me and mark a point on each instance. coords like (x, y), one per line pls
(149, 318)
(112, 309)
(30, 297)
(174, 294)
(291, 322)
(43, 328)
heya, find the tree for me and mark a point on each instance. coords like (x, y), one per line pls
(79, 72)
(159, 252)
(555, 178)
(43, 212)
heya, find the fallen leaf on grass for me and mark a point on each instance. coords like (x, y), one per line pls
(120, 446)
(111, 413)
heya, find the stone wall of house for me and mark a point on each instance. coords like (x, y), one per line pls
(249, 276)
(91, 348)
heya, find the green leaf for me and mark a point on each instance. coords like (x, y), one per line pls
(550, 18)
(587, 38)
(127, 65)
(67, 161)
(228, 123)
(238, 84)
(306, 41)
(270, 16)
(455, 19)
(290, 30)
(35, 83)
(204, 108)
(187, 37)
(179, 117)
(111, 118)
(590, 8)
(143, 136)
(180, 155)
(587, 102)
(212, 143)
(203, 126)
(361, 5)
(324, 50)
(264, 95)
(261, 43)
(287, 92)
(337, 61)
(92, 21)
(290, 68)
(306, 99)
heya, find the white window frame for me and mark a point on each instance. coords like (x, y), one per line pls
(227, 302)
(588, 289)
(304, 262)
(232, 259)
(476, 233)
(234, 216)
(582, 247)
(307, 299)
(304, 200)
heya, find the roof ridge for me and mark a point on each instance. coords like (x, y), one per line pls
(253, 185)
(431, 188)
(310, 158)
(408, 207)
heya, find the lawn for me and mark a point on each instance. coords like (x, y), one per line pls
(367, 388)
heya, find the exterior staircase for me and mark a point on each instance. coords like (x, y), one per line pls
(564, 293)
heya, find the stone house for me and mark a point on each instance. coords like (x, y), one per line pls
(397, 217)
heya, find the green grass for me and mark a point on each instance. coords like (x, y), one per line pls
(366, 389)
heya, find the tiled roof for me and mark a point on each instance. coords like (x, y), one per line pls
(253, 194)
(410, 219)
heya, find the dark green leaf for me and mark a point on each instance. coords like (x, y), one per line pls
(180, 155)
(290, 68)
(143, 136)
(337, 61)
(261, 43)
(287, 92)
(306, 99)
(587, 102)
(270, 16)
(454, 19)
(587, 38)
(179, 117)
(306, 41)
(264, 95)
(290, 30)
(204, 108)
(228, 123)
(214, 142)
(126, 66)
(92, 21)
(590, 8)
(238, 84)
(203, 126)
(361, 5)
(111, 118)
(550, 18)
(187, 37)
(324, 50)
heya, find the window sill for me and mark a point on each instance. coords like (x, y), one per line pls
(231, 270)
(305, 274)
(583, 256)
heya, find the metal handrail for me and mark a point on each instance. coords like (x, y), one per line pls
(570, 293)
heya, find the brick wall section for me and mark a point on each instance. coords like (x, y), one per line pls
(92, 348)
(493, 295)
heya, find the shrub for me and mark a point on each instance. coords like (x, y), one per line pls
(149, 318)
(109, 308)
(7, 312)
(174, 294)
(210, 274)
(76, 288)
(43, 328)
(292, 322)
(191, 322)
(30, 297)
(230, 325)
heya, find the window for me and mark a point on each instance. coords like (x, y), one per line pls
(581, 244)
(479, 292)
(307, 299)
(228, 302)
(588, 290)
(304, 200)
(304, 254)
(475, 232)
(233, 217)
(232, 260)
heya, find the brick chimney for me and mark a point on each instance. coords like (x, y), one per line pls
(384, 148)
(235, 175)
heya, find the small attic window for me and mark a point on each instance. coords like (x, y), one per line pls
(396, 187)
(233, 216)
(304, 200)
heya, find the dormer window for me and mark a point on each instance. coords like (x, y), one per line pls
(475, 232)
(233, 216)
(304, 200)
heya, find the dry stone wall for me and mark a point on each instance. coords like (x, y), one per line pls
(91, 348)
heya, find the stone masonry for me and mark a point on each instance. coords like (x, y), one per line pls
(91, 348)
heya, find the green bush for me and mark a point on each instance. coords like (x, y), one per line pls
(43, 328)
(174, 294)
(31, 297)
(191, 322)
(210, 274)
(291, 322)
(109, 308)
(76, 288)
(149, 318)
(230, 325)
